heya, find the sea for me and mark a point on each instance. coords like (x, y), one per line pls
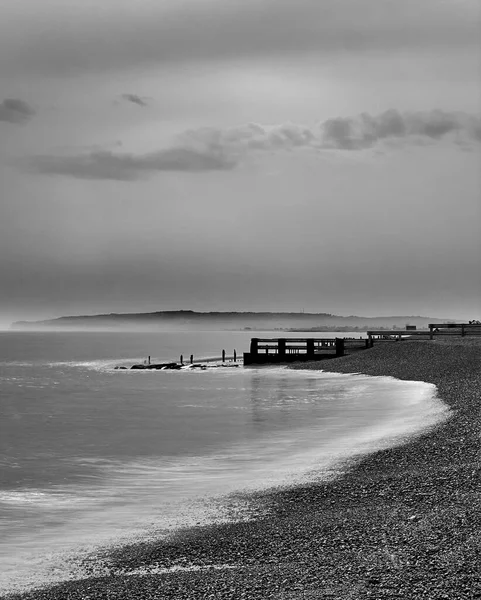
(92, 457)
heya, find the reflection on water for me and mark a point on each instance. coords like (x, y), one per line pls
(280, 403)
(269, 407)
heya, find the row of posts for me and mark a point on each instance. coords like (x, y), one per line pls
(192, 358)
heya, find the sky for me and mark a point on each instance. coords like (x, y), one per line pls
(283, 155)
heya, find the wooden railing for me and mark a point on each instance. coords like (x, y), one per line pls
(461, 329)
(393, 335)
(435, 329)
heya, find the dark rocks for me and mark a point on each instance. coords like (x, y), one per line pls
(156, 366)
(175, 366)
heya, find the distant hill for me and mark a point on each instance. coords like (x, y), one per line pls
(188, 319)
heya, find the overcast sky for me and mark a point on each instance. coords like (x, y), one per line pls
(240, 155)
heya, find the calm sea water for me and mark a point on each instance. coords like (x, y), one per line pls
(92, 456)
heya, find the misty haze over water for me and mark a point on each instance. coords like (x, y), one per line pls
(215, 321)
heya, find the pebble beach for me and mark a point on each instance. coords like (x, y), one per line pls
(399, 523)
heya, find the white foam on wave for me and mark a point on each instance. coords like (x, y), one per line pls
(92, 365)
(50, 499)
(96, 365)
(16, 363)
(282, 458)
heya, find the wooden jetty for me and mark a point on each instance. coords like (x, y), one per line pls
(285, 350)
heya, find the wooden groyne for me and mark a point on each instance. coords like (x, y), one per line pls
(148, 365)
(285, 350)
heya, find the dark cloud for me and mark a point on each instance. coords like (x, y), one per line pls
(345, 133)
(135, 99)
(365, 130)
(212, 149)
(14, 110)
(126, 167)
(192, 32)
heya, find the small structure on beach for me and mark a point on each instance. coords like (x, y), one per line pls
(284, 350)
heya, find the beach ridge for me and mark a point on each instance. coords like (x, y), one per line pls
(400, 523)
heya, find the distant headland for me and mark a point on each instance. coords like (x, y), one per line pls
(255, 321)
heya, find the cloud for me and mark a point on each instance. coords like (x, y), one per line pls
(214, 149)
(13, 110)
(135, 99)
(341, 133)
(193, 31)
(365, 131)
(126, 167)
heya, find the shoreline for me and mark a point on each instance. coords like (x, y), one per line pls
(399, 523)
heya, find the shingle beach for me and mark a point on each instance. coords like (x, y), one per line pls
(400, 523)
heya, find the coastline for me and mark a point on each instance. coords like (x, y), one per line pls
(400, 523)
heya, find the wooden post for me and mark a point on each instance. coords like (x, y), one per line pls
(310, 349)
(181, 359)
(339, 347)
(191, 359)
(223, 355)
(462, 330)
(254, 347)
(431, 332)
(281, 348)
(367, 342)
(235, 356)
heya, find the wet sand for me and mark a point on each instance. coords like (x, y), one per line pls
(400, 523)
